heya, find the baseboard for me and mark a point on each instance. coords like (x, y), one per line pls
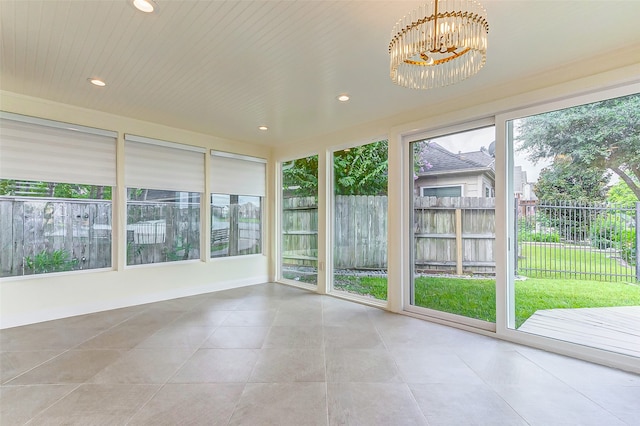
(10, 321)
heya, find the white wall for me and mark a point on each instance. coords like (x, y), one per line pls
(29, 299)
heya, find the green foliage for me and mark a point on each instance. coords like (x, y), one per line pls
(178, 252)
(11, 187)
(568, 181)
(539, 237)
(620, 193)
(361, 170)
(53, 261)
(615, 232)
(300, 177)
(597, 136)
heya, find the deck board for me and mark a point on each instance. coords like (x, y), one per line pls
(613, 329)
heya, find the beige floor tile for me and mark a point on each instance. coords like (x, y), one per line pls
(31, 338)
(294, 337)
(122, 336)
(75, 366)
(284, 404)
(144, 366)
(190, 404)
(18, 404)
(237, 337)
(289, 365)
(13, 364)
(361, 365)
(98, 404)
(217, 366)
(369, 404)
(282, 355)
(176, 336)
(249, 319)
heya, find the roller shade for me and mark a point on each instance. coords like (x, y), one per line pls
(156, 164)
(42, 150)
(237, 174)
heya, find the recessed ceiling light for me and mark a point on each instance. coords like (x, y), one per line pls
(97, 82)
(343, 98)
(263, 128)
(146, 6)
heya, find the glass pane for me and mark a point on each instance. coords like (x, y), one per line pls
(576, 209)
(53, 227)
(360, 220)
(162, 226)
(443, 191)
(236, 222)
(454, 224)
(299, 251)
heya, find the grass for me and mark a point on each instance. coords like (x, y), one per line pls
(536, 259)
(476, 298)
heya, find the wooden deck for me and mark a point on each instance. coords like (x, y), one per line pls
(615, 329)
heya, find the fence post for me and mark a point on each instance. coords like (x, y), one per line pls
(458, 241)
(638, 240)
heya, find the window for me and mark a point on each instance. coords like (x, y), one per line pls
(164, 183)
(360, 182)
(235, 225)
(442, 191)
(299, 220)
(238, 184)
(56, 181)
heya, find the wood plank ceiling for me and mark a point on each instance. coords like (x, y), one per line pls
(226, 67)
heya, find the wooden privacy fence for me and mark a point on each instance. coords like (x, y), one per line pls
(360, 232)
(452, 235)
(80, 229)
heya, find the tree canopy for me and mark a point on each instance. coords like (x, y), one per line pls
(599, 136)
(566, 181)
(361, 170)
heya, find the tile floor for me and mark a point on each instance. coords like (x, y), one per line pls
(276, 355)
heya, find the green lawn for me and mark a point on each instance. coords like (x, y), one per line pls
(538, 259)
(475, 298)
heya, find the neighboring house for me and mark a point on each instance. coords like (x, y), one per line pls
(466, 174)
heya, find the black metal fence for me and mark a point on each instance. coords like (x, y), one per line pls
(564, 239)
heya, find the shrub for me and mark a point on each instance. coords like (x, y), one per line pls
(54, 261)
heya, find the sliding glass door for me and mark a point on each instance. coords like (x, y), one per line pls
(453, 227)
(576, 208)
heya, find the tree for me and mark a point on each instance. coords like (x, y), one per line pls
(361, 170)
(567, 181)
(598, 136)
(562, 188)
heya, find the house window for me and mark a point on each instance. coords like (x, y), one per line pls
(442, 191)
(162, 226)
(164, 183)
(236, 225)
(238, 183)
(55, 196)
